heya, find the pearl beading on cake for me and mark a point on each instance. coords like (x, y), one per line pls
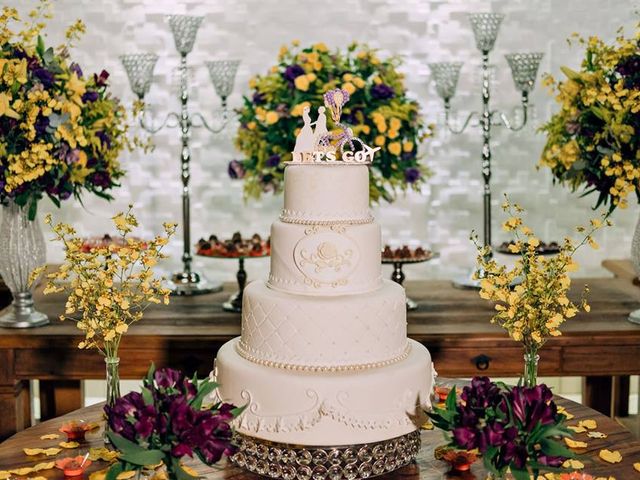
(313, 218)
(242, 350)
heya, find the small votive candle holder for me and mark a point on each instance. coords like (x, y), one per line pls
(76, 429)
(73, 467)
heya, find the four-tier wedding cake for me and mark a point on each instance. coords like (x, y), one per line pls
(331, 382)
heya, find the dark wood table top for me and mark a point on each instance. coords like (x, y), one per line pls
(426, 468)
(442, 311)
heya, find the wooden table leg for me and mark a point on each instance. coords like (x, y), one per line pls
(596, 394)
(15, 408)
(621, 391)
(59, 397)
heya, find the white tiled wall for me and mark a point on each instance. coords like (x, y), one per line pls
(420, 30)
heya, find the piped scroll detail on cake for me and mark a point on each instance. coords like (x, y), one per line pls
(326, 258)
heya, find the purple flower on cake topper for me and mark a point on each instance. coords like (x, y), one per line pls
(235, 170)
(382, 91)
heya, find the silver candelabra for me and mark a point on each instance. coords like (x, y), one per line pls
(524, 67)
(139, 69)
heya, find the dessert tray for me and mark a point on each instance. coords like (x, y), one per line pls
(551, 248)
(236, 248)
(404, 255)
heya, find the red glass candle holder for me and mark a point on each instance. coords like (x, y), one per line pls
(73, 467)
(76, 429)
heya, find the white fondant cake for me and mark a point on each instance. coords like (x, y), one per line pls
(325, 260)
(323, 358)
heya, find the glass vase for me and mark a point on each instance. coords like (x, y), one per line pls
(112, 365)
(22, 250)
(530, 377)
(635, 260)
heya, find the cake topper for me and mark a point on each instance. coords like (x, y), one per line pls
(322, 146)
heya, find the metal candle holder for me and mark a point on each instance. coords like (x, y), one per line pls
(139, 69)
(524, 67)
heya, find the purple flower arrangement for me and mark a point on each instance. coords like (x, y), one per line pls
(515, 428)
(166, 422)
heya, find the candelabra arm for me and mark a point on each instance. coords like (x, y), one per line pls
(504, 120)
(198, 120)
(447, 119)
(149, 127)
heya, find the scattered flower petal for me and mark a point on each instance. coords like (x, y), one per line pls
(69, 444)
(588, 424)
(574, 464)
(637, 466)
(22, 471)
(610, 456)
(597, 435)
(4, 475)
(575, 443)
(50, 436)
(44, 466)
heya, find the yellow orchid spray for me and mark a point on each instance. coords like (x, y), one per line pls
(531, 299)
(109, 287)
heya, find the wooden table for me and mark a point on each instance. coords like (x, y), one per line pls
(453, 324)
(426, 467)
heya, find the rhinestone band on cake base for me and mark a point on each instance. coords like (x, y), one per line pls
(349, 462)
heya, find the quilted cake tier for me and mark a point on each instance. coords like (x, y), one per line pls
(316, 333)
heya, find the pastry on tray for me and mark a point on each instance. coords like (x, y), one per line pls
(550, 248)
(234, 247)
(405, 253)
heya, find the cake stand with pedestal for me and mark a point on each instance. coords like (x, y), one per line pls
(398, 275)
(234, 304)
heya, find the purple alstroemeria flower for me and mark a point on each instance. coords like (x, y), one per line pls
(41, 125)
(100, 179)
(104, 138)
(235, 169)
(292, 72)
(181, 450)
(273, 161)
(75, 68)
(90, 96)
(258, 98)
(168, 378)
(465, 437)
(411, 175)
(382, 91)
(44, 76)
(101, 80)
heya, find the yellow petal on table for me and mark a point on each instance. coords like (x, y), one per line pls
(50, 436)
(33, 451)
(99, 475)
(564, 412)
(637, 466)
(4, 475)
(574, 464)
(38, 478)
(577, 428)
(22, 471)
(610, 456)
(427, 426)
(575, 443)
(69, 444)
(102, 453)
(126, 475)
(588, 424)
(92, 426)
(597, 435)
(50, 452)
(44, 466)
(605, 478)
(190, 471)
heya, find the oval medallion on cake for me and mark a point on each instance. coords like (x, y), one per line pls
(326, 258)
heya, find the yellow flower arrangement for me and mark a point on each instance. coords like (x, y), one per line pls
(379, 111)
(593, 140)
(531, 299)
(109, 287)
